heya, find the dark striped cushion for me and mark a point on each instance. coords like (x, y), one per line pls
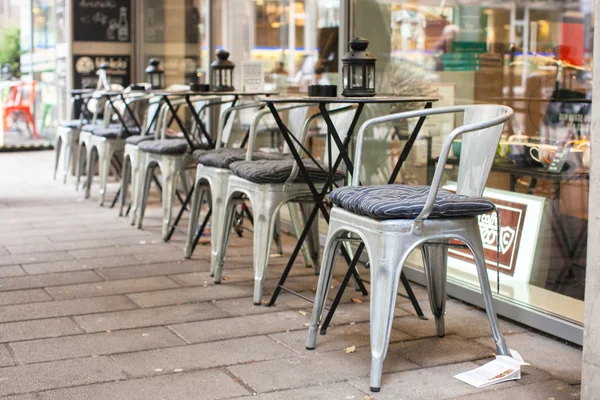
(278, 171)
(97, 125)
(137, 139)
(115, 133)
(172, 147)
(224, 157)
(72, 123)
(406, 202)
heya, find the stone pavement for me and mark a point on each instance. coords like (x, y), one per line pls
(92, 308)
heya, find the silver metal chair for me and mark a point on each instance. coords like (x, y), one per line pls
(393, 220)
(212, 171)
(269, 184)
(172, 157)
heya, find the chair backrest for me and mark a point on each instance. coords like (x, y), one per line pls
(482, 129)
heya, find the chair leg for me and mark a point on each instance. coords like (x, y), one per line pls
(221, 229)
(67, 157)
(168, 195)
(194, 215)
(125, 178)
(312, 240)
(90, 172)
(148, 171)
(264, 227)
(435, 261)
(57, 148)
(80, 165)
(104, 156)
(476, 246)
(137, 186)
(30, 120)
(330, 251)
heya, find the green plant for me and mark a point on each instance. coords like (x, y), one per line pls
(10, 49)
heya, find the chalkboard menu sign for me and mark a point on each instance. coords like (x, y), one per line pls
(85, 67)
(102, 20)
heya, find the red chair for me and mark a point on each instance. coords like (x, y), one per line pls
(20, 99)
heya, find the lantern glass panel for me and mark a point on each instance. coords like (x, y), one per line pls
(226, 78)
(345, 73)
(357, 76)
(371, 77)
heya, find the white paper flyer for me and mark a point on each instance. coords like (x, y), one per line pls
(502, 369)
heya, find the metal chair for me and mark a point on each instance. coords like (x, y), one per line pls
(212, 172)
(172, 157)
(269, 184)
(393, 220)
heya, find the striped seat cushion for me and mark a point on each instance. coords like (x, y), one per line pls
(137, 139)
(171, 147)
(224, 157)
(98, 125)
(406, 202)
(72, 123)
(115, 133)
(278, 171)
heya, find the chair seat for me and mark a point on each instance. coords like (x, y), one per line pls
(171, 147)
(72, 123)
(137, 139)
(98, 125)
(278, 171)
(224, 157)
(406, 202)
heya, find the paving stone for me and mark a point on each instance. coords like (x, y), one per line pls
(201, 356)
(6, 359)
(22, 397)
(20, 240)
(251, 325)
(111, 288)
(35, 329)
(552, 356)
(47, 280)
(20, 312)
(555, 390)
(83, 371)
(115, 235)
(438, 351)
(188, 295)
(33, 234)
(428, 383)
(153, 257)
(78, 265)
(23, 296)
(147, 270)
(149, 317)
(4, 252)
(201, 278)
(138, 249)
(10, 271)
(314, 369)
(93, 344)
(20, 259)
(245, 305)
(211, 384)
(51, 247)
(336, 391)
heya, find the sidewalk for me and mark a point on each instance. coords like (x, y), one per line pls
(92, 308)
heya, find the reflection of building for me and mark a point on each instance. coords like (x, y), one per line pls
(471, 52)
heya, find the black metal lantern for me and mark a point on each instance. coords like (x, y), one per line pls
(358, 70)
(222, 72)
(155, 75)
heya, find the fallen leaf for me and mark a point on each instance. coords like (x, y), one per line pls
(357, 301)
(177, 370)
(350, 349)
(306, 324)
(367, 397)
(303, 313)
(224, 278)
(107, 331)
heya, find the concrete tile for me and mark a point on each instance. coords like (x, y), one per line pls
(202, 278)
(47, 280)
(201, 356)
(251, 325)
(188, 295)
(23, 296)
(555, 390)
(335, 391)
(6, 359)
(211, 384)
(108, 288)
(28, 234)
(450, 349)
(427, 383)
(149, 317)
(245, 305)
(20, 259)
(338, 338)
(52, 247)
(312, 370)
(20, 312)
(20, 240)
(461, 319)
(137, 249)
(22, 397)
(83, 371)
(61, 348)
(79, 265)
(10, 271)
(153, 257)
(35, 329)
(3, 251)
(552, 356)
(147, 270)
(114, 235)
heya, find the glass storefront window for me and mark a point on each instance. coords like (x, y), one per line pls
(534, 57)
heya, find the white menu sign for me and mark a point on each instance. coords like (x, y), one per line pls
(253, 76)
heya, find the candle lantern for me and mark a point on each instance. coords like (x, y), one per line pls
(155, 75)
(222, 72)
(358, 70)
